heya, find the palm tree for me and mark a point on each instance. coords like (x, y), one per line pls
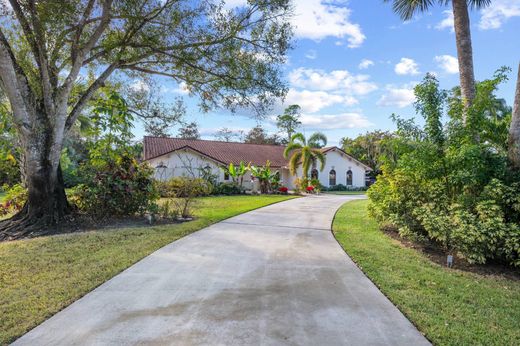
(305, 152)
(514, 130)
(408, 8)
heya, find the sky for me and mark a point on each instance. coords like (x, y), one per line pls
(355, 63)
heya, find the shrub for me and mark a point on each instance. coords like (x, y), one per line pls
(228, 189)
(173, 186)
(14, 199)
(117, 188)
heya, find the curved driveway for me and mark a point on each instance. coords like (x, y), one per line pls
(273, 276)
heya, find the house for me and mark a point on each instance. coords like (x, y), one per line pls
(172, 157)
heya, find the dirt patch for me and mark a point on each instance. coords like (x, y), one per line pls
(437, 254)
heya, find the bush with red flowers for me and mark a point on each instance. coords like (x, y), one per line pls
(310, 189)
(283, 190)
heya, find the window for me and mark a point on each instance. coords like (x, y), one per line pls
(226, 176)
(314, 173)
(332, 177)
(349, 178)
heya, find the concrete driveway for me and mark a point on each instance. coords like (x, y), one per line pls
(273, 276)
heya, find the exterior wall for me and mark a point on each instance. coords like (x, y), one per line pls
(183, 163)
(188, 163)
(341, 163)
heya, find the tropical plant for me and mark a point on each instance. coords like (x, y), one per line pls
(305, 152)
(408, 8)
(265, 176)
(514, 129)
(237, 172)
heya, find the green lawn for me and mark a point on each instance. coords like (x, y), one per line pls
(450, 307)
(41, 276)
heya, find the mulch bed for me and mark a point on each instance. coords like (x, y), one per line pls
(436, 254)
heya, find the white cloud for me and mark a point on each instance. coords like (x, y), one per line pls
(448, 63)
(397, 97)
(339, 80)
(311, 54)
(447, 22)
(407, 66)
(335, 121)
(498, 13)
(318, 19)
(313, 101)
(365, 63)
(139, 85)
(182, 89)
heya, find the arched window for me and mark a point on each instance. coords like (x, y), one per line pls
(314, 173)
(332, 177)
(226, 176)
(349, 178)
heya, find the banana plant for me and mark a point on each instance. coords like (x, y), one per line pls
(264, 175)
(236, 172)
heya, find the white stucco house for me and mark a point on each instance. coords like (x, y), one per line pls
(171, 157)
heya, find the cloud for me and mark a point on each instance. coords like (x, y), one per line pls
(319, 19)
(340, 80)
(139, 85)
(365, 63)
(313, 101)
(182, 89)
(311, 54)
(448, 63)
(447, 22)
(335, 121)
(498, 13)
(397, 97)
(407, 66)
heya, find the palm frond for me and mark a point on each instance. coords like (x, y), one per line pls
(294, 162)
(299, 137)
(291, 147)
(406, 9)
(318, 155)
(317, 140)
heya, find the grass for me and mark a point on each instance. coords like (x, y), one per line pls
(449, 307)
(39, 277)
(346, 192)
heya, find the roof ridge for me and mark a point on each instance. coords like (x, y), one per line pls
(211, 140)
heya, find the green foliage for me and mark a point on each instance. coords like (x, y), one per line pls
(228, 189)
(14, 199)
(447, 188)
(289, 121)
(117, 188)
(266, 177)
(237, 172)
(305, 152)
(373, 148)
(184, 186)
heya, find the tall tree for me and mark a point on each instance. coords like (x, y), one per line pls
(228, 135)
(258, 135)
(304, 152)
(514, 129)
(230, 58)
(190, 131)
(408, 8)
(289, 121)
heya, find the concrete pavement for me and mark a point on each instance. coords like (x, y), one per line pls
(273, 276)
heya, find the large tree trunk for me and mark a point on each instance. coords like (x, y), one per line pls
(514, 129)
(47, 204)
(464, 53)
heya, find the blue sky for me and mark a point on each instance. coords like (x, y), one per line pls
(355, 63)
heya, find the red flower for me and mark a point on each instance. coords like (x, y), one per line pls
(310, 188)
(283, 189)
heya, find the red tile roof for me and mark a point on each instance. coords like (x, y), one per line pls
(223, 152)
